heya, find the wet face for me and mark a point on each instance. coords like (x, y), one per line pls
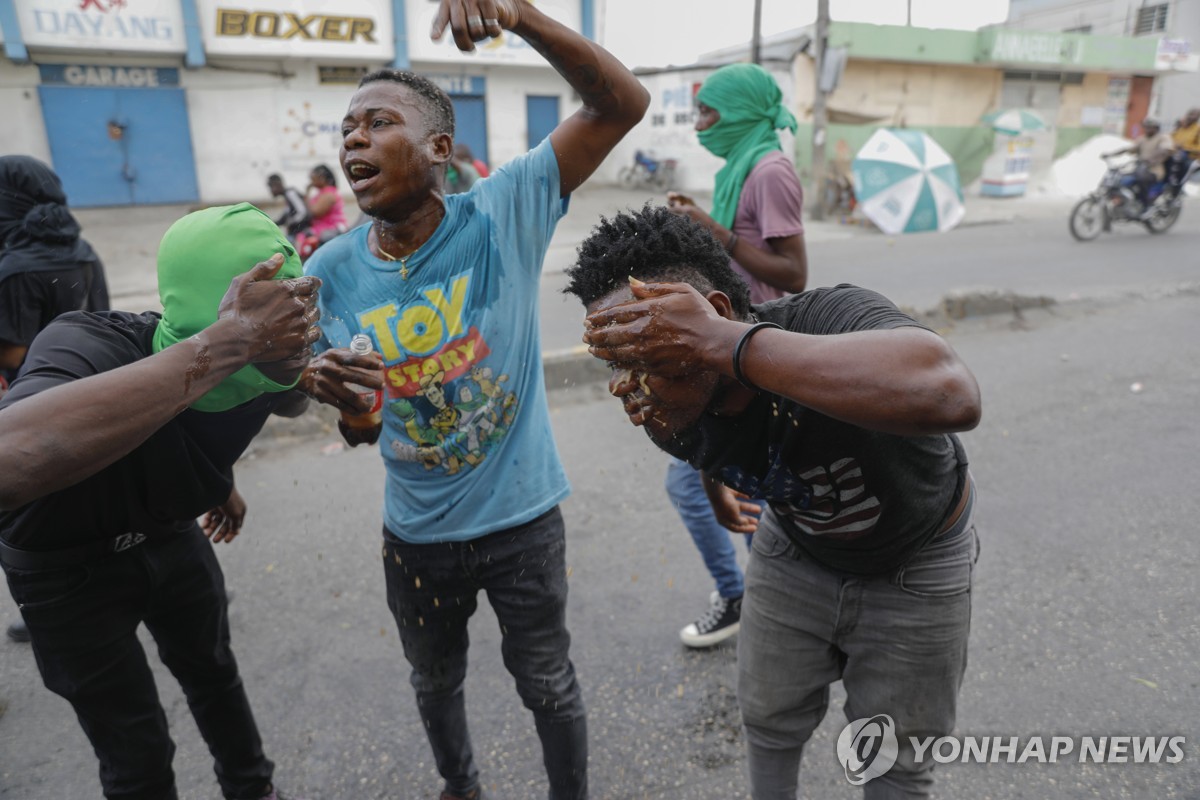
(387, 154)
(706, 117)
(664, 406)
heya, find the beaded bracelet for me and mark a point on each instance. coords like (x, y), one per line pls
(741, 345)
(732, 243)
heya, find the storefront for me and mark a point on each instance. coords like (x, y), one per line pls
(113, 115)
(156, 101)
(941, 82)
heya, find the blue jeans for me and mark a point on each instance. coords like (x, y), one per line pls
(714, 542)
(898, 643)
(431, 591)
(83, 623)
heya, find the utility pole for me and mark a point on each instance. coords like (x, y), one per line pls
(756, 36)
(819, 120)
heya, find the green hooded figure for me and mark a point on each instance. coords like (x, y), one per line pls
(751, 108)
(198, 258)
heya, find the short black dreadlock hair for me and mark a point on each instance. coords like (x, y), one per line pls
(439, 110)
(654, 245)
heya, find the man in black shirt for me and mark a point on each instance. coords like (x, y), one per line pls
(121, 430)
(838, 410)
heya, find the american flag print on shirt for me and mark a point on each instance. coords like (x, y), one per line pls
(821, 501)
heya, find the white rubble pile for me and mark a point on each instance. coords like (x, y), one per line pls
(1079, 170)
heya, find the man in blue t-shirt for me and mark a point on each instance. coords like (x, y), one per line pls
(446, 286)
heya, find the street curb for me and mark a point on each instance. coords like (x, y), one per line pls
(961, 304)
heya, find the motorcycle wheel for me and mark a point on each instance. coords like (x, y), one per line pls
(628, 177)
(1162, 222)
(1087, 219)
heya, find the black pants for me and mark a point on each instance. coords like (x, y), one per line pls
(83, 624)
(432, 590)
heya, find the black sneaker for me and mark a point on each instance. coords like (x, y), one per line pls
(718, 623)
(17, 632)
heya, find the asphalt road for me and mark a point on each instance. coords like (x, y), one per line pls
(1084, 602)
(1034, 256)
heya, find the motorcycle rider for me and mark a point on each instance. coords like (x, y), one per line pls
(1187, 134)
(1153, 148)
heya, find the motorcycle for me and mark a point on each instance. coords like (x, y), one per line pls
(647, 171)
(1116, 201)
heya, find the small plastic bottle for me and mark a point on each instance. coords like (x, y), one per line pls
(362, 428)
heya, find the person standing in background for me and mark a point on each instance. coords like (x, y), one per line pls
(325, 204)
(461, 174)
(295, 217)
(463, 153)
(46, 269)
(1187, 133)
(756, 216)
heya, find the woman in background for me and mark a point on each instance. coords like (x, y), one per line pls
(325, 204)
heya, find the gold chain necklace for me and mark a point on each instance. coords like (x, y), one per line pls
(402, 260)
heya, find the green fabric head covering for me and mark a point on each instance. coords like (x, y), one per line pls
(198, 258)
(750, 104)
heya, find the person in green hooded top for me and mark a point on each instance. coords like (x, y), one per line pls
(756, 216)
(120, 432)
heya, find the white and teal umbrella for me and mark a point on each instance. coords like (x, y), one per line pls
(906, 183)
(1015, 121)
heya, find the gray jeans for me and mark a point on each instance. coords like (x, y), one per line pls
(898, 643)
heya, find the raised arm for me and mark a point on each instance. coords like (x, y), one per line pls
(613, 99)
(74, 430)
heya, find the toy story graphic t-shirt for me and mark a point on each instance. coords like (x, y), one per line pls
(466, 438)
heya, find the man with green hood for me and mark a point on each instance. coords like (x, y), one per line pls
(121, 430)
(756, 216)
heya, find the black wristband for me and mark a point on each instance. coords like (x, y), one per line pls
(741, 345)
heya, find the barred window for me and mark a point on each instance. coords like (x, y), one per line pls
(1151, 19)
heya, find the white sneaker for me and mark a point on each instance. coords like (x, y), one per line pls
(721, 621)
